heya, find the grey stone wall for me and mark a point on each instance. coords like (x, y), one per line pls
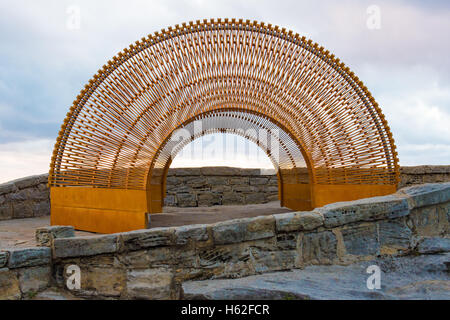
(153, 263)
(25, 198)
(209, 186)
(423, 174)
(191, 187)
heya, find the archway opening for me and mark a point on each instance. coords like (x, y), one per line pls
(284, 152)
(222, 150)
(222, 169)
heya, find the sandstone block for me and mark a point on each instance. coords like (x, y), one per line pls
(394, 234)
(178, 188)
(161, 256)
(217, 181)
(239, 230)
(20, 195)
(317, 248)
(252, 198)
(22, 209)
(251, 172)
(7, 187)
(34, 279)
(28, 182)
(34, 194)
(44, 187)
(287, 241)
(218, 255)
(186, 200)
(298, 221)
(231, 198)
(135, 259)
(255, 181)
(244, 188)
(220, 188)
(151, 284)
(434, 245)
(85, 246)
(3, 258)
(271, 189)
(185, 171)
(45, 235)
(427, 221)
(208, 199)
(172, 180)
(239, 181)
(41, 208)
(170, 200)
(28, 257)
(102, 281)
(361, 240)
(369, 209)
(6, 211)
(266, 261)
(196, 232)
(428, 194)
(141, 239)
(195, 182)
(220, 171)
(232, 260)
(9, 285)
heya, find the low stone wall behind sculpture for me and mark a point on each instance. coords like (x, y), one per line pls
(191, 187)
(423, 174)
(209, 186)
(25, 198)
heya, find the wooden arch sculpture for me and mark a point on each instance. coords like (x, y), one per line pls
(111, 156)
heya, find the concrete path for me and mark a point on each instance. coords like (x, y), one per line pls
(20, 232)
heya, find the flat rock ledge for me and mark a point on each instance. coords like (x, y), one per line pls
(407, 277)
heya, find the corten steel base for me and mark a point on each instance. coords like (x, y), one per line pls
(99, 210)
(111, 211)
(111, 157)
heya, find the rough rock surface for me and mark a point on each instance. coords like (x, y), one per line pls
(408, 277)
(28, 257)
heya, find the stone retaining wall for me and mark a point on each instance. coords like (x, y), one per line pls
(154, 263)
(423, 174)
(209, 186)
(191, 187)
(25, 198)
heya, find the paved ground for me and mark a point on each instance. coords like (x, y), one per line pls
(20, 232)
(183, 216)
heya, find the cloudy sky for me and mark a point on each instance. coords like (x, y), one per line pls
(46, 58)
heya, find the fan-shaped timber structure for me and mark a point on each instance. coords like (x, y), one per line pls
(293, 98)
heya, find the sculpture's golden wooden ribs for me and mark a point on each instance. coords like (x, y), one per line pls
(234, 75)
